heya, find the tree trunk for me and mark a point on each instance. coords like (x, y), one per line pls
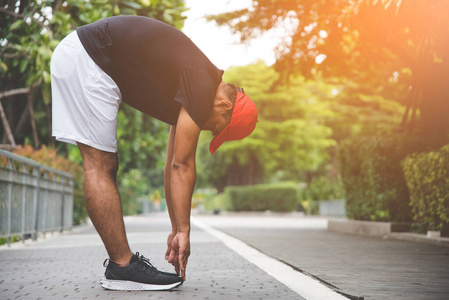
(431, 75)
(434, 105)
(32, 121)
(8, 131)
(23, 120)
(48, 117)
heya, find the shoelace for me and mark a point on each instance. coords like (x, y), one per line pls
(142, 261)
(145, 262)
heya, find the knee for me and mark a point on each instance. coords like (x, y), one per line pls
(100, 162)
(105, 165)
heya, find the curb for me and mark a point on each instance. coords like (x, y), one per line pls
(416, 237)
(368, 228)
(386, 230)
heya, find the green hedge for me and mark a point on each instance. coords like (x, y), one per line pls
(220, 202)
(274, 197)
(322, 188)
(427, 176)
(373, 178)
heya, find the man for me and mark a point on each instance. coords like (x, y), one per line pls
(156, 69)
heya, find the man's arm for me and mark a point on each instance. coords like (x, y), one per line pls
(183, 177)
(167, 187)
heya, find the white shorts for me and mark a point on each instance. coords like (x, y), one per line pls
(85, 100)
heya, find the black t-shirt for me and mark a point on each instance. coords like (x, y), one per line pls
(156, 66)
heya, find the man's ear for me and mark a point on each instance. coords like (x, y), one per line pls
(226, 104)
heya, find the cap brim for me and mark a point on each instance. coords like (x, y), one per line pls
(219, 140)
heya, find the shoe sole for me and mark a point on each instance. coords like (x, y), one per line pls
(123, 285)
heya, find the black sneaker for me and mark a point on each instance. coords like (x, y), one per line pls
(139, 275)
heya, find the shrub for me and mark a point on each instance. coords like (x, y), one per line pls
(310, 207)
(132, 186)
(220, 202)
(323, 188)
(279, 197)
(427, 176)
(373, 178)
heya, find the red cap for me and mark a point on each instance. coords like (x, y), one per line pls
(243, 122)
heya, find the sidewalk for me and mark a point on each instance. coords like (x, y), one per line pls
(220, 267)
(69, 266)
(373, 268)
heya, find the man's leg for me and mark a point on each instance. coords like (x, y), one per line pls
(103, 201)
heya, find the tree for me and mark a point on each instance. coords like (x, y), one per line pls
(364, 40)
(300, 128)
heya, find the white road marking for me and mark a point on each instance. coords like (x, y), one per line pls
(304, 285)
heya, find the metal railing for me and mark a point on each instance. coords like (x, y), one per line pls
(34, 198)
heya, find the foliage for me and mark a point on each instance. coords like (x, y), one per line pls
(310, 207)
(364, 40)
(374, 184)
(361, 110)
(133, 185)
(279, 197)
(30, 32)
(427, 176)
(156, 195)
(13, 239)
(290, 137)
(372, 175)
(300, 128)
(218, 202)
(49, 157)
(142, 141)
(322, 188)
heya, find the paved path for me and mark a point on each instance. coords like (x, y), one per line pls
(373, 268)
(69, 266)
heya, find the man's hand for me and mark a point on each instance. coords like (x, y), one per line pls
(180, 252)
(170, 238)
